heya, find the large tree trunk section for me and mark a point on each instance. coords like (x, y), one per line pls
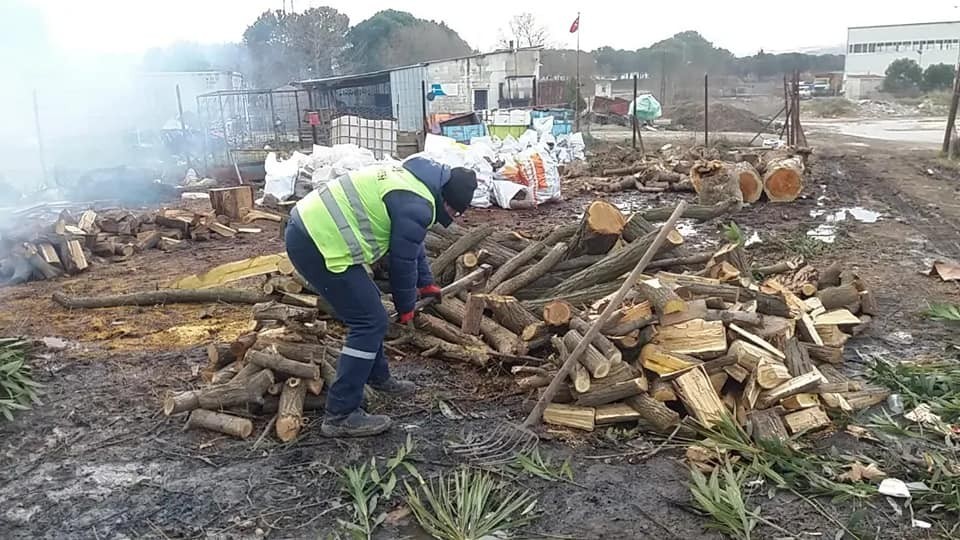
(271, 359)
(614, 265)
(599, 230)
(221, 397)
(596, 363)
(663, 300)
(531, 274)
(557, 313)
(655, 412)
(290, 414)
(500, 338)
(751, 185)
(466, 242)
(715, 182)
(838, 297)
(170, 296)
(220, 422)
(513, 264)
(636, 227)
(694, 211)
(783, 178)
(233, 202)
(604, 345)
(275, 311)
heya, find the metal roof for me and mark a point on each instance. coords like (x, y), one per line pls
(897, 25)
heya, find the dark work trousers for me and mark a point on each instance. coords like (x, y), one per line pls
(356, 300)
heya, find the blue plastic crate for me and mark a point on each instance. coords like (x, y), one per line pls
(463, 134)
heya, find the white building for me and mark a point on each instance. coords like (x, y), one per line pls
(870, 49)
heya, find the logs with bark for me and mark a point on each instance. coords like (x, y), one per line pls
(782, 176)
(599, 230)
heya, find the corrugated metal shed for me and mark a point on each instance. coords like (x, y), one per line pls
(406, 93)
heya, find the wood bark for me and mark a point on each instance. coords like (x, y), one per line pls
(614, 265)
(290, 410)
(570, 416)
(277, 284)
(715, 182)
(699, 397)
(557, 313)
(233, 202)
(473, 315)
(222, 375)
(219, 355)
(221, 397)
(599, 230)
(766, 425)
(823, 353)
(806, 420)
(782, 177)
(227, 424)
(798, 360)
(579, 376)
(604, 345)
(636, 227)
(663, 300)
(751, 185)
(619, 413)
(39, 264)
(838, 297)
(830, 276)
(662, 418)
(466, 242)
(504, 272)
(629, 319)
(446, 331)
(499, 337)
(476, 355)
(531, 274)
(693, 211)
(168, 296)
(508, 311)
(611, 393)
(739, 317)
(693, 337)
(687, 260)
(72, 256)
(596, 363)
(275, 311)
(575, 264)
(271, 359)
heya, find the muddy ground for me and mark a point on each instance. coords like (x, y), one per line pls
(98, 460)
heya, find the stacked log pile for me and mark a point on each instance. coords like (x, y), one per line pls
(74, 241)
(744, 176)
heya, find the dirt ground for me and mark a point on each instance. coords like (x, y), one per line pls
(98, 460)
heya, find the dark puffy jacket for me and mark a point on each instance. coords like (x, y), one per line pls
(410, 217)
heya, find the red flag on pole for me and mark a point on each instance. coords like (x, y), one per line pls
(576, 25)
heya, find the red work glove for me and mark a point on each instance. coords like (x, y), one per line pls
(431, 291)
(405, 317)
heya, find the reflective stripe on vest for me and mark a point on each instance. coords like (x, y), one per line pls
(356, 252)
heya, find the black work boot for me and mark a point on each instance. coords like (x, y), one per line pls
(356, 424)
(397, 387)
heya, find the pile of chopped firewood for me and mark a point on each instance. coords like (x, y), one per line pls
(744, 176)
(72, 242)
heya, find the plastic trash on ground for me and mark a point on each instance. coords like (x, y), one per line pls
(646, 108)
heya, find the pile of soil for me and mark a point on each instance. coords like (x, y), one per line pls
(723, 117)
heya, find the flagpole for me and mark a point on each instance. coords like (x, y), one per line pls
(577, 105)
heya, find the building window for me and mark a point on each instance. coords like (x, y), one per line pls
(872, 47)
(851, 48)
(858, 48)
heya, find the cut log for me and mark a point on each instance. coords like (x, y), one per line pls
(866, 398)
(838, 317)
(39, 265)
(737, 372)
(446, 331)
(221, 229)
(629, 319)
(636, 227)
(281, 284)
(663, 300)
(662, 418)
(806, 420)
(693, 337)
(275, 311)
(71, 254)
(823, 353)
(836, 402)
(532, 382)
(290, 413)
(727, 293)
(715, 182)
(695, 309)
(797, 360)
(661, 390)
(49, 254)
(221, 397)
(782, 177)
(87, 221)
(800, 401)
(533, 273)
(570, 416)
(170, 244)
(748, 355)
(224, 374)
(604, 345)
(153, 298)
(838, 297)
(830, 276)
(271, 359)
(220, 422)
(499, 337)
(832, 336)
(614, 265)
(766, 425)
(599, 230)
(611, 393)
(664, 362)
(751, 185)
(698, 396)
(579, 376)
(868, 301)
(466, 242)
(758, 341)
(576, 298)
(246, 373)
(219, 355)
(511, 266)
(557, 313)
(741, 318)
(693, 211)
(233, 202)
(773, 304)
(597, 364)
(808, 330)
(478, 356)
(776, 268)
(473, 314)
(797, 385)
(508, 312)
(771, 374)
(616, 413)
(255, 215)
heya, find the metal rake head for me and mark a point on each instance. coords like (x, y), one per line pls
(498, 447)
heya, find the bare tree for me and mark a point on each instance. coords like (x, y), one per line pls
(524, 31)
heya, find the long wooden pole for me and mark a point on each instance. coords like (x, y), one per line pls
(537, 413)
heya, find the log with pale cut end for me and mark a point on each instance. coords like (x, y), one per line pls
(220, 422)
(579, 376)
(290, 413)
(663, 300)
(610, 393)
(446, 331)
(771, 374)
(618, 413)
(557, 313)
(783, 178)
(693, 337)
(629, 319)
(508, 311)
(614, 265)
(222, 375)
(532, 273)
(699, 397)
(271, 359)
(473, 315)
(604, 345)
(592, 359)
(636, 227)
(797, 385)
(248, 370)
(281, 284)
(715, 182)
(806, 420)
(570, 416)
(219, 355)
(599, 230)
(221, 397)
(477, 355)
(663, 362)
(751, 185)
(662, 418)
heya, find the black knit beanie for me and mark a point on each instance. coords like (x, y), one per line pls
(458, 191)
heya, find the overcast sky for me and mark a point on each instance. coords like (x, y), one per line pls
(743, 26)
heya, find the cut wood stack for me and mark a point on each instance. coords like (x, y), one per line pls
(74, 242)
